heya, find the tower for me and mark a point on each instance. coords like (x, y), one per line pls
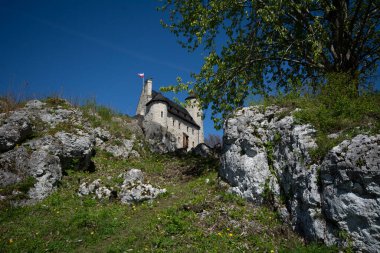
(194, 109)
(145, 97)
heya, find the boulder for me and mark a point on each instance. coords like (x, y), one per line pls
(202, 149)
(350, 177)
(266, 158)
(14, 130)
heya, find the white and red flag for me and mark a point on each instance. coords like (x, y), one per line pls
(141, 75)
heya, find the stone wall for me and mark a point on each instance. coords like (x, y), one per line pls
(266, 159)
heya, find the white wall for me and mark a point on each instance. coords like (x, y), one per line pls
(158, 112)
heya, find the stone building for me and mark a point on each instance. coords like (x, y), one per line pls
(167, 118)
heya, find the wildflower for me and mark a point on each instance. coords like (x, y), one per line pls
(271, 251)
(220, 234)
(10, 241)
(228, 229)
(230, 234)
(92, 232)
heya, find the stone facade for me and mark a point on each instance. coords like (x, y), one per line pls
(184, 124)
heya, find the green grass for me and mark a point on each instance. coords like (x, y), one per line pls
(194, 216)
(102, 116)
(332, 113)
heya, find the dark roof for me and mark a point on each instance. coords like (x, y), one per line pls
(190, 97)
(173, 108)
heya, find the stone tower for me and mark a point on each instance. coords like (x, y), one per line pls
(145, 97)
(196, 112)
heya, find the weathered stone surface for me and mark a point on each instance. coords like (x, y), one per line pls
(350, 176)
(266, 158)
(203, 150)
(159, 139)
(124, 150)
(101, 192)
(14, 129)
(132, 190)
(139, 193)
(132, 177)
(45, 157)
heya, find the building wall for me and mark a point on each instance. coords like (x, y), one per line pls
(197, 114)
(158, 112)
(179, 128)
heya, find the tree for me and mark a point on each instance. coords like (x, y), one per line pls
(257, 46)
(213, 139)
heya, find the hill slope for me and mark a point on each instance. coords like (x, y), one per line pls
(195, 213)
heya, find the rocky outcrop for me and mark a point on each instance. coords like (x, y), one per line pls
(159, 139)
(132, 189)
(203, 150)
(43, 141)
(350, 177)
(266, 159)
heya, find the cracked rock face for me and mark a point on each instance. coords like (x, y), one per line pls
(27, 151)
(351, 190)
(264, 153)
(132, 190)
(44, 140)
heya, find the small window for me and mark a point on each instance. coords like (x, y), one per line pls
(173, 122)
(162, 114)
(193, 144)
(187, 129)
(179, 125)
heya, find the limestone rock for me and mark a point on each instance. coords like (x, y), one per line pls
(101, 192)
(203, 150)
(15, 129)
(159, 139)
(132, 190)
(44, 157)
(266, 157)
(139, 193)
(132, 177)
(350, 177)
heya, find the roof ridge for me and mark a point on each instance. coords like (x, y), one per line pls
(174, 108)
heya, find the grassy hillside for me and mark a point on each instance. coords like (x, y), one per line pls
(195, 215)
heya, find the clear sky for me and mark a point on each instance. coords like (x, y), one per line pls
(85, 49)
(90, 49)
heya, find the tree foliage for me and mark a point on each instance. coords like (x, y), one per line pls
(256, 46)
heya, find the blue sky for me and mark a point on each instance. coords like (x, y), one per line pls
(90, 49)
(86, 49)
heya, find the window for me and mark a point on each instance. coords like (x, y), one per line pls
(192, 131)
(187, 129)
(162, 114)
(193, 144)
(173, 122)
(179, 125)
